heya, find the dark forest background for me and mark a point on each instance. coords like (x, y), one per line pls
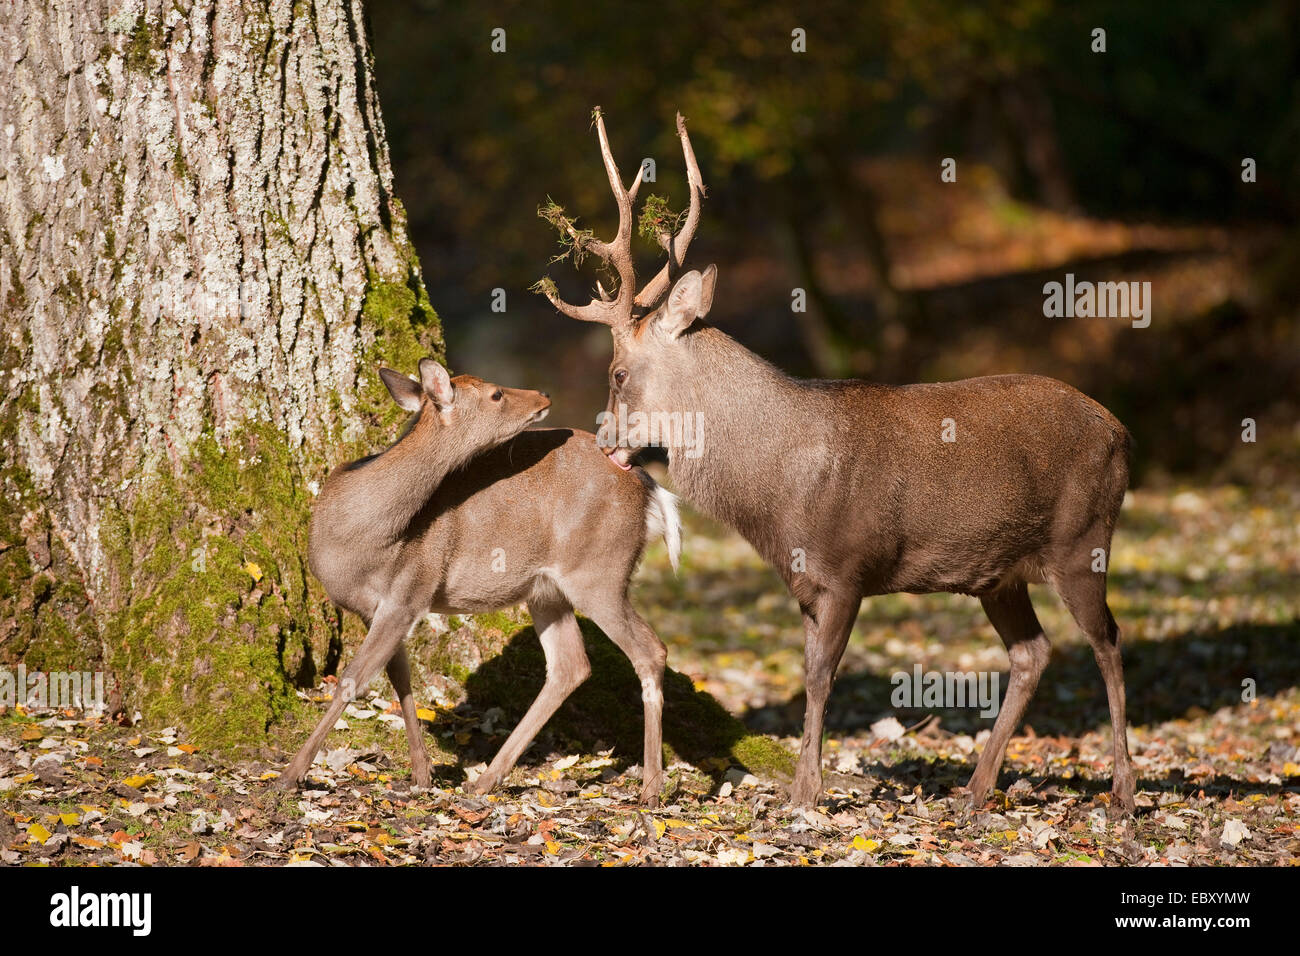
(823, 170)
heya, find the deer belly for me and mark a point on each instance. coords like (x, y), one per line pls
(962, 569)
(477, 590)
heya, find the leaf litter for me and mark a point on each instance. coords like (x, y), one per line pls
(1218, 775)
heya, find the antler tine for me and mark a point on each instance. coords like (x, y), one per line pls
(618, 253)
(594, 311)
(636, 184)
(677, 245)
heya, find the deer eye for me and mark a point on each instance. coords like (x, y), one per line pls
(496, 396)
(620, 376)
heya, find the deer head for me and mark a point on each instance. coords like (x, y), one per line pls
(477, 415)
(649, 328)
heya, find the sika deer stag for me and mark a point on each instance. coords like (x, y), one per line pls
(426, 526)
(848, 489)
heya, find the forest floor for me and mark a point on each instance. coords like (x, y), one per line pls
(1203, 583)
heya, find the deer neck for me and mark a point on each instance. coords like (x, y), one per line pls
(753, 422)
(383, 494)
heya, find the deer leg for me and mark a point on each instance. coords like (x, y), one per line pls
(1027, 646)
(1084, 593)
(399, 673)
(383, 640)
(638, 641)
(654, 657)
(635, 638)
(827, 624)
(566, 668)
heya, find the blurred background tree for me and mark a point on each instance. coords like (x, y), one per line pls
(823, 168)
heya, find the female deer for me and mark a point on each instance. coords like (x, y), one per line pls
(468, 512)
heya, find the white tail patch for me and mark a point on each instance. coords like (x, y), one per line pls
(661, 518)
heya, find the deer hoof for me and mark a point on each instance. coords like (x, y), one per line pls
(807, 790)
(802, 798)
(1120, 808)
(974, 799)
(286, 782)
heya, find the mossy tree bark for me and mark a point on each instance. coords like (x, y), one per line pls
(203, 261)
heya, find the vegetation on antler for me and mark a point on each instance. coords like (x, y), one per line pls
(573, 241)
(544, 286)
(658, 222)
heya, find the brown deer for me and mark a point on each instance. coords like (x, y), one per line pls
(468, 512)
(849, 489)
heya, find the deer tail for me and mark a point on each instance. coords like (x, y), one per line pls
(662, 518)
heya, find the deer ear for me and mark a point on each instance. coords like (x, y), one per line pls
(685, 303)
(405, 392)
(437, 383)
(710, 279)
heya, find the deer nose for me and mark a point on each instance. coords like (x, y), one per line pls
(544, 394)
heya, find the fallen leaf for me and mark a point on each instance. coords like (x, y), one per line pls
(888, 729)
(1234, 831)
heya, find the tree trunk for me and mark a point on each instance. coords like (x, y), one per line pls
(201, 263)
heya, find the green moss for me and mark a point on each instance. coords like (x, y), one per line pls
(54, 633)
(405, 329)
(504, 622)
(764, 756)
(219, 619)
(32, 223)
(180, 169)
(71, 292)
(144, 39)
(397, 312)
(119, 184)
(544, 286)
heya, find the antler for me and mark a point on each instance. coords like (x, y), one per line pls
(677, 245)
(624, 307)
(617, 253)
